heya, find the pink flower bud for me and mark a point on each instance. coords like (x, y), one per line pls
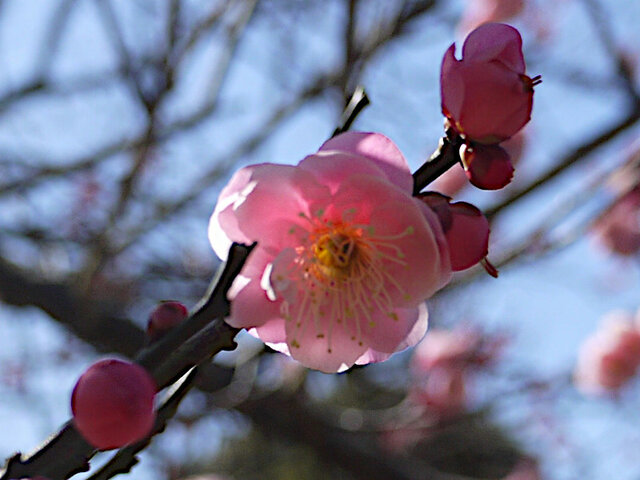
(611, 357)
(164, 317)
(484, 11)
(486, 95)
(487, 166)
(465, 228)
(445, 348)
(619, 229)
(112, 404)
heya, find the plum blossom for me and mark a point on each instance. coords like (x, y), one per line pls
(484, 11)
(611, 357)
(443, 392)
(486, 95)
(446, 348)
(487, 98)
(164, 317)
(440, 368)
(345, 255)
(619, 229)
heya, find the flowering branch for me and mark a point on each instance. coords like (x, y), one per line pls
(197, 339)
(201, 336)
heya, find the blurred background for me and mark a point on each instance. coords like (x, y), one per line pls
(121, 120)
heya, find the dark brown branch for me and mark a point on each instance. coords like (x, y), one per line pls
(446, 156)
(92, 322)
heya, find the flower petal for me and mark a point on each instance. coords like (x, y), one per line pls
(495, 41)
(324, 344)
(451, 85)
(328, 167)
(250, 304)
(401, 232)
(374, 146)
(283, 197)
(496, 103)
(393, 334)
(223, 226)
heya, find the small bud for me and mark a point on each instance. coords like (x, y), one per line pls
(112, 404)
(486, 95)
(465, 228)
(487, 166)
(164, 317)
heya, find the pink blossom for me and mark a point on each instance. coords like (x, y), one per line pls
(443, 392)
(487, 166)
(445, 348)
(619, 229)
(486, 95)
(610, 358)
(345, 255)
(485, 11)
(455, 179)
(112, 404)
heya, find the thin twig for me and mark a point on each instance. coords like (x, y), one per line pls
(445, 156)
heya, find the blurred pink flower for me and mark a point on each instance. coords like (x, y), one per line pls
(445, 348)
(345, 255)
(486, 95)
(443, 392)
(525, 469)
(610, 358)
(484, 11)
(619, 228)
(451, 181)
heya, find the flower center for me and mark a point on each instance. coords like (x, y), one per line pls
(343, 278)
(334, 253)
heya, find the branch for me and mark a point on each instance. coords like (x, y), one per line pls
(358, 101)
(91, 321)
(446, 156)
(67, 453)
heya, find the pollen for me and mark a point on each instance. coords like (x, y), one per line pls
(344, 278)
